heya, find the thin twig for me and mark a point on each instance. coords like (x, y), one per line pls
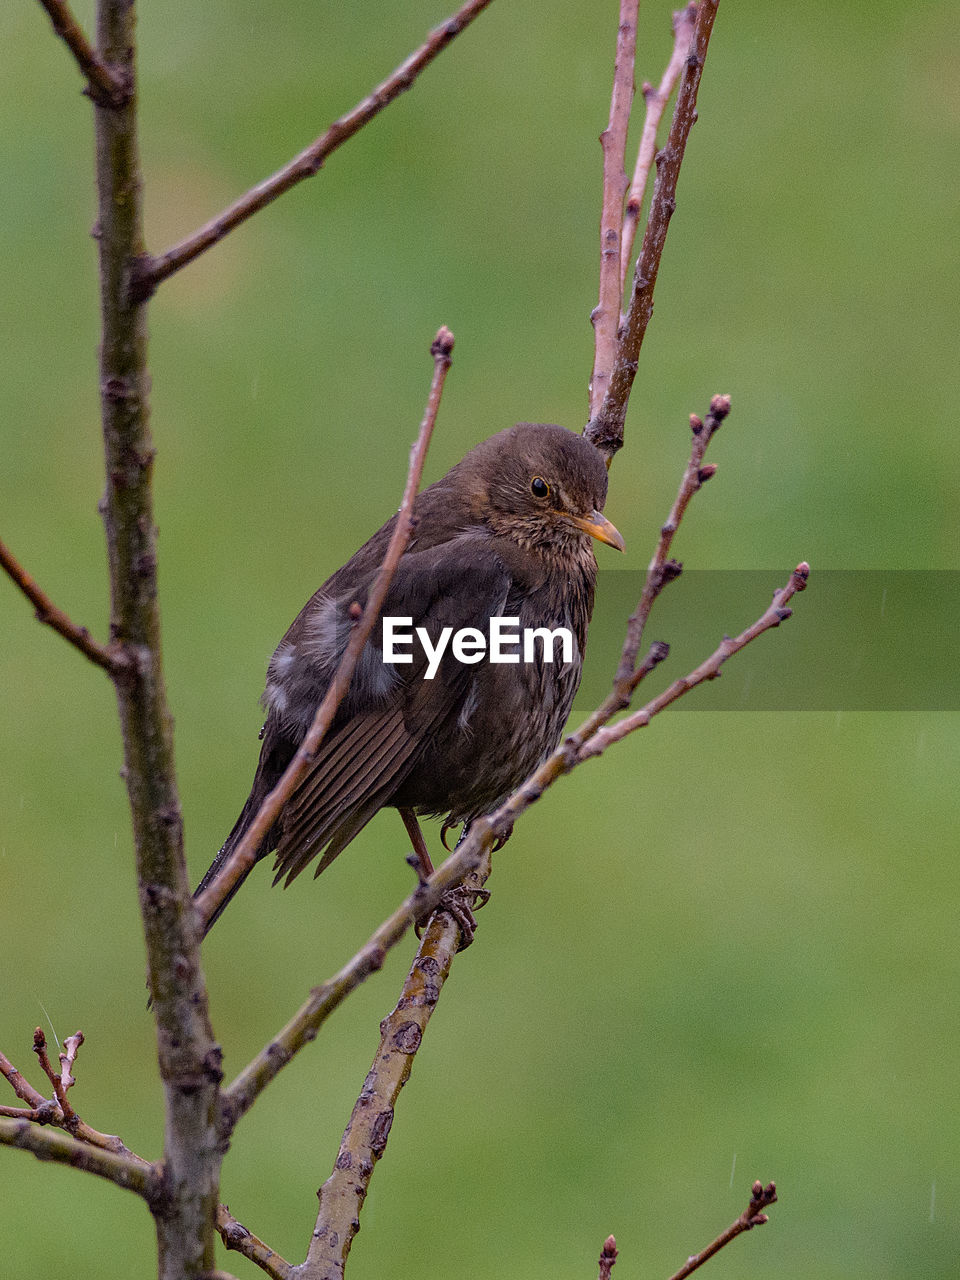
(55, 1078)
(365, 1138)
(105, 85)
(153, 271)
(23, 1113)
(707, 670)
(20, 1085)
(608, 1257)
(236, 1236)
(243, 857)
(605, 428)
(56, 1111)
(661, 570)
(109, 657)
(606, 315)
(56, 1145)
(71, 1047)
(753, 1216)
(656, 101)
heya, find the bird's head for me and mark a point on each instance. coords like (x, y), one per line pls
(540, 485)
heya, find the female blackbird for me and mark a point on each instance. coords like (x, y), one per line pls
(506, 533)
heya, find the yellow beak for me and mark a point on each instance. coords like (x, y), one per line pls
(599, 527)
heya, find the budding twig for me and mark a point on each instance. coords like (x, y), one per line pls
(606, 316)
(605, 428)
(707, 670)
(661, 570)
(244, 855)
(656, 101)
(753, 1216)
(608, 1257)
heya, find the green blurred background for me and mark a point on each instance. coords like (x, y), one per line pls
(726, 951)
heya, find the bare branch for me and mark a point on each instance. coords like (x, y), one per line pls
(606, 315)
(656, 100)
(753, 1216)
(236, 1236)
(19, 1083)
(661, 570)
(243, 857)
(109, 657)
(55, 1078)
(707, 670)
(153, 271)
(365, 1138)
(105, 85)
(608, 1257)
(605, 428)
(71, 1047)
(54, 1144)
(56, 1111)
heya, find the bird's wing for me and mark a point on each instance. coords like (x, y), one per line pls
(365, 758)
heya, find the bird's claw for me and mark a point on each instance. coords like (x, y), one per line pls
(460, 904)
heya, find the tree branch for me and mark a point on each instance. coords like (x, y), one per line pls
(236, 1236)
(189, 1058)
(105, 85)
(753, 1216)
(153, 271)
(54, 1144)
(20, 1085)
(605, 428)
(109, 657)
(606, 315)
(661, 570)
(707, 670)
(56, 1110)
(365, 1138)
(244, 855)
(656, 101)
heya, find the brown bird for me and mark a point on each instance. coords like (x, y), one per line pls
(505, 534)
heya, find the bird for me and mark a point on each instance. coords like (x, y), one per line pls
(507, 534)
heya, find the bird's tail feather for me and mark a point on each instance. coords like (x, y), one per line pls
(233, 839)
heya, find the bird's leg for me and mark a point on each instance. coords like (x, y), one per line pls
(420, 859)
(460, 903)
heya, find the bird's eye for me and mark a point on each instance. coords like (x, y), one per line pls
(539, 487)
